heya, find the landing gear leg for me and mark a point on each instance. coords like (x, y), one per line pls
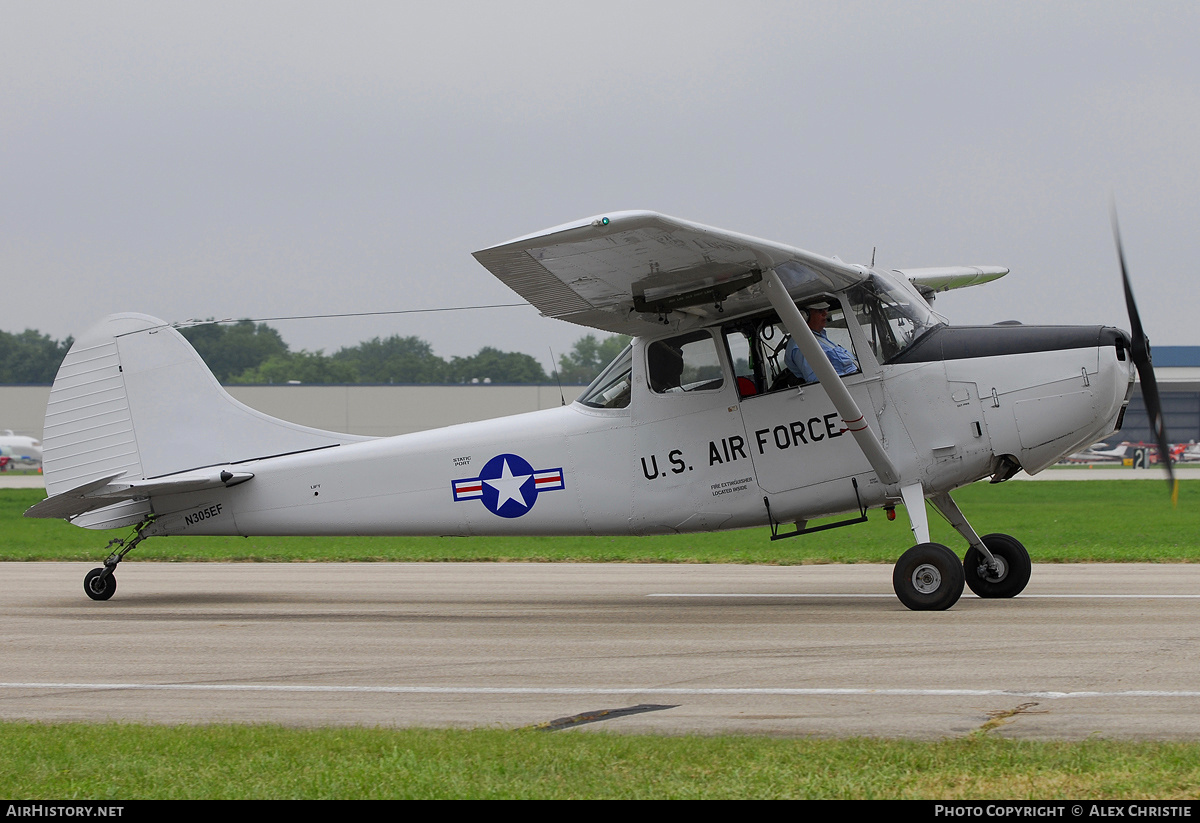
(914, 504)
(101, 584)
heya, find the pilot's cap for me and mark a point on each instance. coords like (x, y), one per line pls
(823, 305)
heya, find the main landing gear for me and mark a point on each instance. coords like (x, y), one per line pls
(101, 584)
(928, 577)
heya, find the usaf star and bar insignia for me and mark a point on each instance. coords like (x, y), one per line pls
(508, 486)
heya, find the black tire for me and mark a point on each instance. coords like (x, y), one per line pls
(928, 577)
(98, 585)
(1014, 575)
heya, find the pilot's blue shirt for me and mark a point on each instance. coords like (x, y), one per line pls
(842, 360)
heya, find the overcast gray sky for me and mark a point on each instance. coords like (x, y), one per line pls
(255, 159)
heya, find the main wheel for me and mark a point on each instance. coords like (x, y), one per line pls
(98, 585)
(928, 577)
(1012, 576)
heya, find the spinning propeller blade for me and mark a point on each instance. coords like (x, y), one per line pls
(1140, 351)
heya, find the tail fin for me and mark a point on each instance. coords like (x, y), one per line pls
(132, 399)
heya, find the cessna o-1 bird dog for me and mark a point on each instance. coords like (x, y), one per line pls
(699, 425)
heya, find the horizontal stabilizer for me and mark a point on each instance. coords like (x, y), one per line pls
(109, 490)
(73, 502)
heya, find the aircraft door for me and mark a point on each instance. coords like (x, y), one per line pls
(795, 435)
(691, 463)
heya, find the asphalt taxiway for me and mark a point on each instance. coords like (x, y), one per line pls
(1087, 650)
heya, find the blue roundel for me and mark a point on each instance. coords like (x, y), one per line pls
(508, 487)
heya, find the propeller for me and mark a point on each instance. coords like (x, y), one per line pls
(1140, 352)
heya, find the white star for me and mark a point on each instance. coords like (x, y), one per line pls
(508, 487)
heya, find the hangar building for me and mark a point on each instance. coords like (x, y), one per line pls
(1177, 371)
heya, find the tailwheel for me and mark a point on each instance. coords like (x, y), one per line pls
(1007, 577)
(928, 577)
(100, 584)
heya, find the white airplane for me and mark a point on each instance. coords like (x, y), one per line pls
(1102, 453)
(697, 426)
(22, 452)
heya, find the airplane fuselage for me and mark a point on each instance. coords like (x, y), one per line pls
(672, 462)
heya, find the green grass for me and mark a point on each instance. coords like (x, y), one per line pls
(125, 762)
(1059, 522)
(1107, 521)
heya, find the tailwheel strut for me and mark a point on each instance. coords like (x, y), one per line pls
(101, 584)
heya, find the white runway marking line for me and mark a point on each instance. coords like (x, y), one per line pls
(965, 594)
(519, 690)
(720, 594)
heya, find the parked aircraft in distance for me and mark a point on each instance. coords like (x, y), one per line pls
(1187, 452)
(22, 452)
(1102, 453)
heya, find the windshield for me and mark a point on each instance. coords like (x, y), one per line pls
(891, 316)
(611, 389)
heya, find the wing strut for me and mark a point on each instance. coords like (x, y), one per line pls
(853, 419)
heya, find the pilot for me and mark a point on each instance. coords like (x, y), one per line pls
(843, 360)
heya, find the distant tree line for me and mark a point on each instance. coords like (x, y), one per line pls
(30, 357)
(588, 356)
(247, 352)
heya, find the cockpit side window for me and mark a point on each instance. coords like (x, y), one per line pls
(772, 361)
(828, 323)
(756, 348)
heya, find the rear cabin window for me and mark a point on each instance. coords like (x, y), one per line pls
(687, 363)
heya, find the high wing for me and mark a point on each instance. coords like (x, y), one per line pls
(624, 271)
(928, 281)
